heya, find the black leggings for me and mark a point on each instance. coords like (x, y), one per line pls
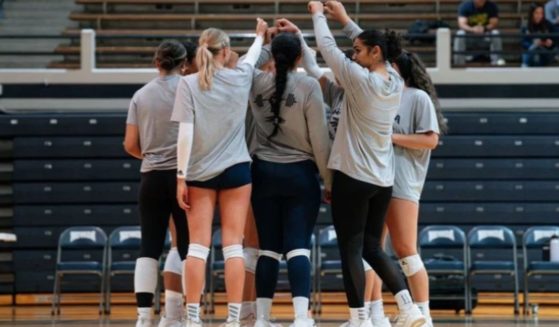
(358, 211)
(157, 201)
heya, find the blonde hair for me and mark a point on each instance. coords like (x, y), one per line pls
(210, 43)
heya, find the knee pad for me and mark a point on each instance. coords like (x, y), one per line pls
(271, 254)
(198, 251)
(298, 252)
(173, 262)
(495, 32)
(251, 259)
(411, 265)
(366, 265)
(233, 251)
(145, 275)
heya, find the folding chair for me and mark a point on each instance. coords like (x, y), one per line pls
(445, 237)
(491, 238)
(535, 238)
(126, 238)
(83, 238)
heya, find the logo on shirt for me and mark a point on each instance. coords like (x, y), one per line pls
(397, 119)
(290, 100)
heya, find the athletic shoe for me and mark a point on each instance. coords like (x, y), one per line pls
(248, 320)
(303, 322)
(359, 323)
(231, 324)
(166, 322)
(381, 322)
(192, 323)
(144, 322)
(265, 323)
(411, 318)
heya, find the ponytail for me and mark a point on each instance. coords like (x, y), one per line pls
(414, 73)
(211, 42)
(286, 49)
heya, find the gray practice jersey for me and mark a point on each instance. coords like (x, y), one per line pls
(219, 120)
(303, 134)
(363, 144)
(416, 115)
(150, 109)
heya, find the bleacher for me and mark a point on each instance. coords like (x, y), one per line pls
(62, 170)
(129, 30)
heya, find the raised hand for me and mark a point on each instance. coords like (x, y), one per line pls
(285, 25)
(315, 7)
(337, 12)
(261, 27)
(271, 33)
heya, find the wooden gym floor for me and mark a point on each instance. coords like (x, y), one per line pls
(494, 310)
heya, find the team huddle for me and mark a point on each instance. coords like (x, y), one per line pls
(367, 133)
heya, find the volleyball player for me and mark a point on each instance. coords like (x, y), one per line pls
(151, 137)
(214, 161)
(362, 157)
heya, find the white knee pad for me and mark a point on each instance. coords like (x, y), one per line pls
(173, 262)
(233, 251)
(251, 259)
(198, 251)
(411, 265)
(145, 275)
(270, 254)
(495, 32)
(298, 252)
(366, 265)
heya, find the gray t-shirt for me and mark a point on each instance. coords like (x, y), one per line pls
(150, 109)
(363, 145)
(218, 116)
(250, 132)
(416, 115)
(304, 133)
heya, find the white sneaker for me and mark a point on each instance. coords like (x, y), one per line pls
(231, 324)
(144, 322)
(265, 323)
(248, 320)
(381, 322)
(167, 322)
(411, 318)
(303, 322)
(359, 323)
(499, 62)
(192, 323)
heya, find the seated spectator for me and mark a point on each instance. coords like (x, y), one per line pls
(538, 50)
(552, 13)
(478, 17)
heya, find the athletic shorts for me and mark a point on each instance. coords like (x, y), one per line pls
(235, 176)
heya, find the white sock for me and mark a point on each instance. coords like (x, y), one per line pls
(403, 298)
(301, 307)
(248, 308)
(368, 308)
(234, 312)
(193, 311)
(358, 314)
(145, 313)
(377, 309)
(263, 308)
(424, 308)
(173, 304)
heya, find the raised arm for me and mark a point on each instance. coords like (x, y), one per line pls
(253, 53)
(346, 71)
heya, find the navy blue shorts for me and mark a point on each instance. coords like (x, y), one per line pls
(235, 176)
